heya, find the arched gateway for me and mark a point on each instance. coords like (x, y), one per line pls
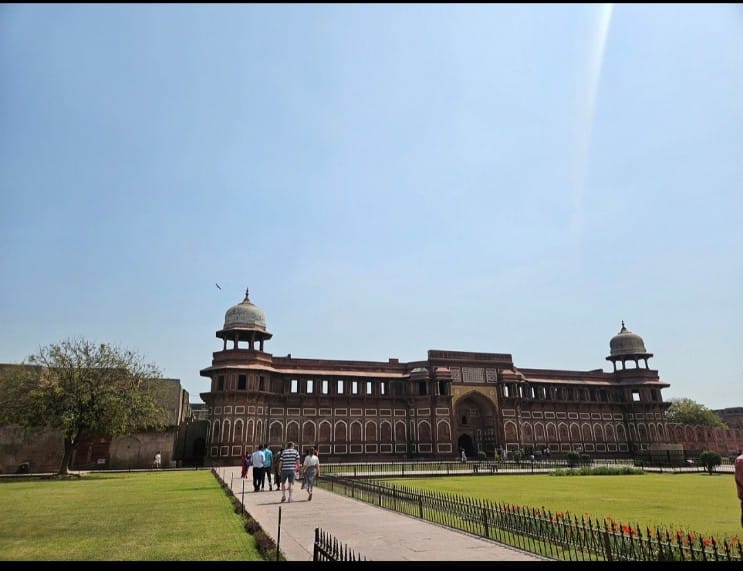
(475, 424)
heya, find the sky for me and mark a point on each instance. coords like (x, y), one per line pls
(385, 179)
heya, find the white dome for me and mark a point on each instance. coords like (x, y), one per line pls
(245, 315)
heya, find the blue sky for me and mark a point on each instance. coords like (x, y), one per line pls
(386, 179)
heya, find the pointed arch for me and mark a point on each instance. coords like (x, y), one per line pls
(526, 433)
(551, 432)
(575, 435)
(371, 432)
(309, 431)
(275, 432)
(250, 431)
(443, 431)
(324, 429)
(610, 435)
(341, 432)
(539, 432)
(424, 431)
(643, 432)
(621, 433)
(292, 432)
(587, 432)
(509, 428)
(357, 434)
(237, 434)
(598, 432)
(385, 431)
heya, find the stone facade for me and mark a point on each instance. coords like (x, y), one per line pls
(453, 400)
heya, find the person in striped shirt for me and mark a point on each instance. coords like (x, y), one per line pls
(289, 466)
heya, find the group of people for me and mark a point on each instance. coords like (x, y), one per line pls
(285, 467)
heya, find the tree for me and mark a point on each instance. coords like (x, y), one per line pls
(710, 459)
(83, 389)
(687, 411)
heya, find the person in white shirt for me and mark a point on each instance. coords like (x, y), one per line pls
(258, 459)
(310, 470)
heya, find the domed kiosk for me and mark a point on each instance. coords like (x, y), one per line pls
(244, 322)
(627, 346)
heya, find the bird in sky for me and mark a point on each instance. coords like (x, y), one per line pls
(218, 286)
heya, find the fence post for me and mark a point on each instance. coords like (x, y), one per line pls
(278, 537)
(317, 541)
(607, 544)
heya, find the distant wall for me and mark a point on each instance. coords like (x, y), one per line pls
(43, 450)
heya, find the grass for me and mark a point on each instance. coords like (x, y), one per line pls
(144, 516)
(702, 503)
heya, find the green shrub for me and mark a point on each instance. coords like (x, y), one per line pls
(598, 471)
(709, 459)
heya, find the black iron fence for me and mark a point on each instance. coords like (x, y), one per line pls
(561, 536)
(456, 467)
(450, 467)
(328, 548)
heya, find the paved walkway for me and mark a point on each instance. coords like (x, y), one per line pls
(370, 531)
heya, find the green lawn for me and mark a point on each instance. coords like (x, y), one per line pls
(144, 516)
(702, 503)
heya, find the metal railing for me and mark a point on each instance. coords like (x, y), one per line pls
(561, 536)
(456, 467)
(328, 548)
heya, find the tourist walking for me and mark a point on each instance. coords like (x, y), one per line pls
(310, 470)
(289, 467)
(258, 474)
(277, 469)
(267, 459)
(244, 465)
(157, 460)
